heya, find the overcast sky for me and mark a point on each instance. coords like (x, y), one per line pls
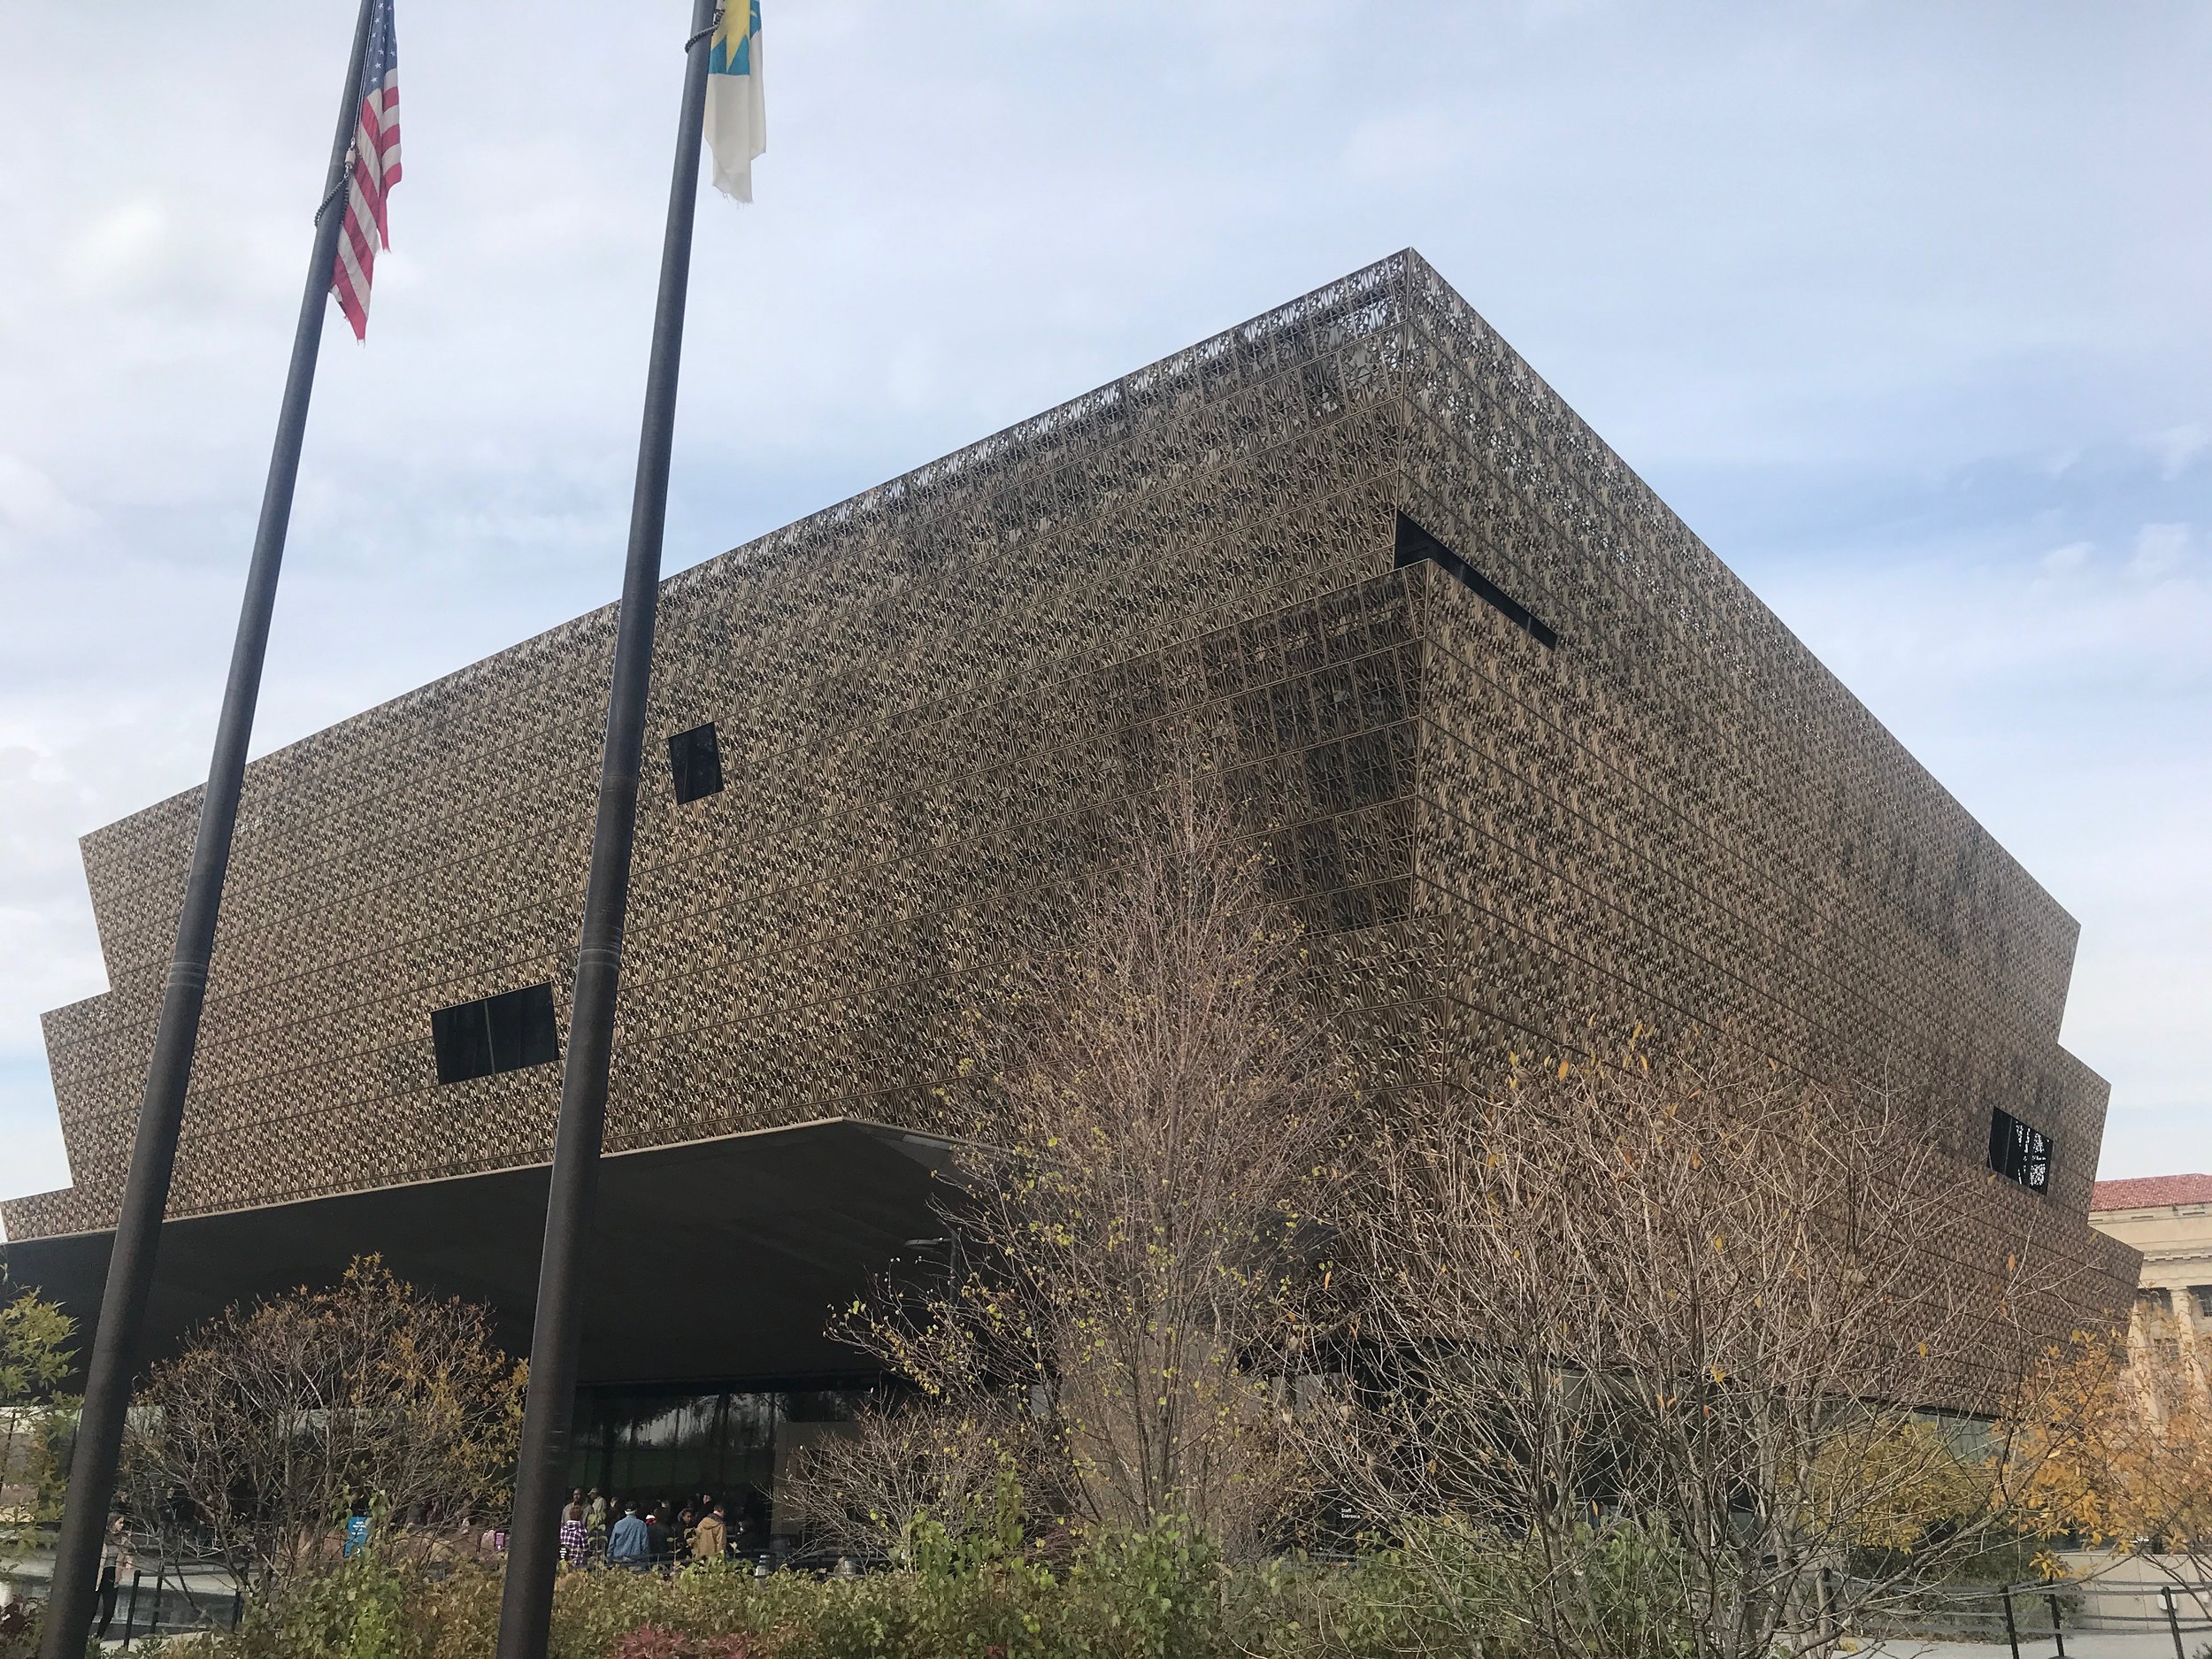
(1907, 308)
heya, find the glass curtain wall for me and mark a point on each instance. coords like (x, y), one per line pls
(668, 1448)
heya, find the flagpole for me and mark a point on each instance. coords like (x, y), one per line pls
(115, 1346)
(532, 1536)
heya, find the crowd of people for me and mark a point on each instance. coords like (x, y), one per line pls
(636, 1535)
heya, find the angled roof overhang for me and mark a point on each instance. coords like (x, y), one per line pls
(715, 1260)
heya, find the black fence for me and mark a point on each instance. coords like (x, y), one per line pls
(2040, 1620)
(166, 1597)
(176, 1598)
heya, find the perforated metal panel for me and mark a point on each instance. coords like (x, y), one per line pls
(928, 699)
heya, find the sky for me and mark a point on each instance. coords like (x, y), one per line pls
(1906, 308)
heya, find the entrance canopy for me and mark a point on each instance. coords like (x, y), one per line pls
(713, 1261)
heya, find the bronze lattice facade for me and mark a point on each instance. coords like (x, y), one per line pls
(1565, 766)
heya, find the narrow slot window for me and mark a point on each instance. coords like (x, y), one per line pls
(695, 760)
(1415, 544)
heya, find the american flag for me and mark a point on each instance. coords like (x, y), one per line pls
(374, 163)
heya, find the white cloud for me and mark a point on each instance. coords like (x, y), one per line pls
(29, 1132)
(1404, 149)
(2160, 550)
(2178, 446)
(32, 507)
(2060, 560)
(122, 246)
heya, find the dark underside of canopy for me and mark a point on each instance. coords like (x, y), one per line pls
(717, 1260)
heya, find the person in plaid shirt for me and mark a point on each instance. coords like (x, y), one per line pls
(575, 1537)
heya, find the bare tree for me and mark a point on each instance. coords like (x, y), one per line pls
(1153, 1125)
(1696, 1296)
(867, 1490)
(255, 1442)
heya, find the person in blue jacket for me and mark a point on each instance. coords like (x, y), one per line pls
(629, 1545)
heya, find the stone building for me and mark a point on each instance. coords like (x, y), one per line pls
(1527, 751)
(2168, 1218)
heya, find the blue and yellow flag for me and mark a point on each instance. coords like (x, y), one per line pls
(737, 120)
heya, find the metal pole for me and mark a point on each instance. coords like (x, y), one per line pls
(161, 1109)
(2058, 1631)
(542, 1470)
(2173, 1619)
(2012, 1627)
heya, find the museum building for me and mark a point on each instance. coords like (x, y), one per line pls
(1526, 752)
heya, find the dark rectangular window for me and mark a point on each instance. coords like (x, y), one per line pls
(464, 1042)
(2203, 1294)
(1416, 544)
(2019, 1152)
(496, 1033)
(696, 759)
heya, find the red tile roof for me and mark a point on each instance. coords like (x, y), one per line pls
(2148, 1190)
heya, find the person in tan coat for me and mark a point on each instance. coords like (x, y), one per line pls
(711, 1539)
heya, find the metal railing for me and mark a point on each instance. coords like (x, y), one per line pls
(167, 1603)
(168, 1596)
(2036, 1620)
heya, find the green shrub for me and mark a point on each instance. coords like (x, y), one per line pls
(362, 1609)
(653, 1642)
(1156, 1592)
